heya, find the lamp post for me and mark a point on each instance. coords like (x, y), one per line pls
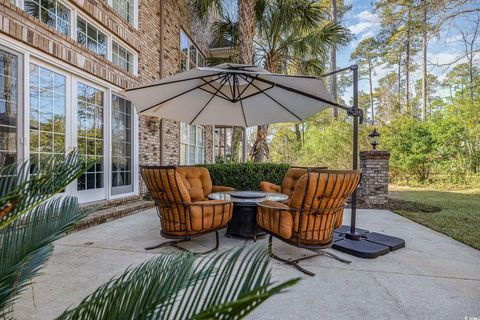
(373, 138)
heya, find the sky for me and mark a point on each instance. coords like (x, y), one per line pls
(363, 23)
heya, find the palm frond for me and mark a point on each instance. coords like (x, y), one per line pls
(26, 244)
(26, 185)
(227, 285)
(202, 8)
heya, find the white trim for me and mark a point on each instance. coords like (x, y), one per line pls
(136, 5)
(130, 50)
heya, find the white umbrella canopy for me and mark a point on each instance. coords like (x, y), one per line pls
(232, 94)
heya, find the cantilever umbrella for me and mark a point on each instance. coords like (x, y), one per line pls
(232, 94)
(247, 95)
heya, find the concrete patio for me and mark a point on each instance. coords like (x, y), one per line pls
(434, 277)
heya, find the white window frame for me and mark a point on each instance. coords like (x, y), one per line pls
(73, 74)
(113, 39)
(187, 144)
(190, 43)
(108, 36)
(135, 12)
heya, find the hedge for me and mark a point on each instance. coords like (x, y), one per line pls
(246, 176)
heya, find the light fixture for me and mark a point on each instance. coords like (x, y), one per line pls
(153, 123)
(373, 138)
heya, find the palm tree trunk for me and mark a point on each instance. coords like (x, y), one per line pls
(333, 60)
(246, 29)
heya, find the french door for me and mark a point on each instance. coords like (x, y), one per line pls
(90, 139)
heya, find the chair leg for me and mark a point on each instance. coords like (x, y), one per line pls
(293, 262)
(175, 243)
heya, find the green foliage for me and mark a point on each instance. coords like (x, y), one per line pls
(412, 146)
(246, 176)
(31, 219)
(227, 285)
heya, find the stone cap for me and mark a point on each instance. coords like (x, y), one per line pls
(374, 154)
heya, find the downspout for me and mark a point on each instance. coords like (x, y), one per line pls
(161, 61)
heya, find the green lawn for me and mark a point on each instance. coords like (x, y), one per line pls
(458, 218)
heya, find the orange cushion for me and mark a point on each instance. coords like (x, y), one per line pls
(274, 219)
(205, 216)
(269, 187)
(197, 181)
(291, 178)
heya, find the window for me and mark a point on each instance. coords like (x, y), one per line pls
(190, 56)
(122, 119)
(122, 57)
(8, 107)
(52, 12)
(192, 149)
(89, 36)
(90, 134)
(125, 9)
(47, 113)
(192, 144)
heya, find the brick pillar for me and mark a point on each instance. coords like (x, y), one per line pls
(373, 190)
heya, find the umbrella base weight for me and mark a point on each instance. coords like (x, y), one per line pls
(365, 244)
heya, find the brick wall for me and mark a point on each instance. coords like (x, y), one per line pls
(373, 190)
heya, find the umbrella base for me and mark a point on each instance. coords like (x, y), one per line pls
(365, 244)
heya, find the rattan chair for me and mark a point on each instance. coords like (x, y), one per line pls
(307, 220)
(181, 218)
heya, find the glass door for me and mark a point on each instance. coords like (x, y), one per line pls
(90, 141)
(9, 103)
(122, 144)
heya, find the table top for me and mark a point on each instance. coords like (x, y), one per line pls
(247, 198)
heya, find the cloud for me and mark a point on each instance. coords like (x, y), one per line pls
(367, 24)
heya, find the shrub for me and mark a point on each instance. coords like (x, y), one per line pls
(246, 176)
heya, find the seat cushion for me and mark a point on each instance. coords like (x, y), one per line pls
(272, 218)
(290, 180)
(211, 214)
(197, 181)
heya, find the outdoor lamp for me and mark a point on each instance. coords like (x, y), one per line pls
(373, 138)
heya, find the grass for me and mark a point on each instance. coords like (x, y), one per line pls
(458, 218)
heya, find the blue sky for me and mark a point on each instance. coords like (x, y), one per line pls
(363, 23)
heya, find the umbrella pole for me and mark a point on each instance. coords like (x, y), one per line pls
(361, 242)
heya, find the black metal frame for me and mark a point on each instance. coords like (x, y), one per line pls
(165, 207)
(330, 209)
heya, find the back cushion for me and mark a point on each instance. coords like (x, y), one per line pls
(290, 180)
(165, 185)
(324, 189)
(197, 180)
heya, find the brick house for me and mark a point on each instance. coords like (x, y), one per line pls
(62, 69)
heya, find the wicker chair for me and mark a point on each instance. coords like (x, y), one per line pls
(307, 220)
(180, 200)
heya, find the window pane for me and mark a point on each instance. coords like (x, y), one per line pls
(121, 145)
(90, 36)
(8, 108)
(124, 8)
(51, 12)
(47, 112)
(122, 57)
(90, 134)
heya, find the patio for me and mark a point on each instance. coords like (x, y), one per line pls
(420, 281)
